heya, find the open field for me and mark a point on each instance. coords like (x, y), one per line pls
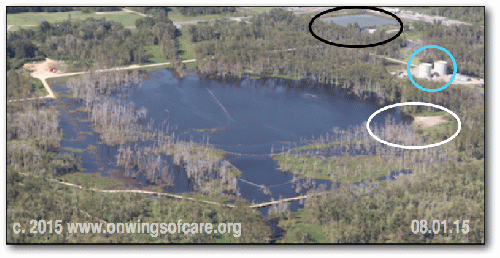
(185, 46)
(155, 51)
(26, 19)
(345, 169)
(176, 16)
(303, 222)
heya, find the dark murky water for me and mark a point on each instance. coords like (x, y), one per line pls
(257, 115)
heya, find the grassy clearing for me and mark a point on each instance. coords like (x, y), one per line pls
(324, 145)
(302, 224)
(59, 80)
(96, 181)
(186, 47)
(261, 9)
(210, 130)
(32, 18)
(438, 132)
(345, 169)
(388, 27)
(394, 67)
(169, 66)
(413, 34)
(177, 16)
(235, 172)
(157, 55)
(74, 150)
(38, 86)
(196, 151)
(191, 65)
(430, 113)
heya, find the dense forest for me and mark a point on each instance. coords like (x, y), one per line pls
(278, 43)
(466, 43)
(351, 34)
(32, 198)
(25, 85)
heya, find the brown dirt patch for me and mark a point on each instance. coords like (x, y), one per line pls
(428, 121)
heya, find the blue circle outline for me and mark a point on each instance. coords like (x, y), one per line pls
(408, 65)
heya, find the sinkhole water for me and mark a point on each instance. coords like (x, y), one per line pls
(254, 117)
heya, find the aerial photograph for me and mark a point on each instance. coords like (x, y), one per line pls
(229, 125)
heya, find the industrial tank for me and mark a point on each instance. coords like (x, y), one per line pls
(424, 70)
(440, 67)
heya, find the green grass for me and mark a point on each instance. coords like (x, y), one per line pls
(38, 85)
(345, 169)
(438, 132)
(186, 47)
(157, 55)
(324, 145)
(152, 68)
(89, 180)
(388, 27)
(32, 18)
(74, 150)
(235, 172)
(302, 222)
(261, 9)
(393, 66)
(413, 34)
(191, 65)
(176, 16)
(430, 113)
(210, 130)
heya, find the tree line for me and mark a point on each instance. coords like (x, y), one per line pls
(51, 9)
(195, 11)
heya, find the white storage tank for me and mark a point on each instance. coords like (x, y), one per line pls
(424, 70)
(440, 67)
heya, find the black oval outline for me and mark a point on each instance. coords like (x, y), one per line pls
(356, 7)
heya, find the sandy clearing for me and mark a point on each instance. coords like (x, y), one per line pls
(428, 121)
(27, 25)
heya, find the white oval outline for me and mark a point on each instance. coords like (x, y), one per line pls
(413, 104)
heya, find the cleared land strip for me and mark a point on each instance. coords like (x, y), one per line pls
(392, 59)
(260, 205)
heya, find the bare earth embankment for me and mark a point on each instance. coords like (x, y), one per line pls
(428, 121)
